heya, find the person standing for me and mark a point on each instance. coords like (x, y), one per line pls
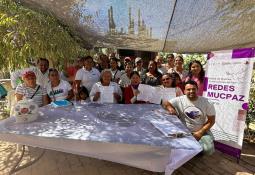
(170, 62)
(139, 66)
(159, 61)
(178, 67)
(152, 76)
(86, 76)
(41, 71)
(125, 78)
(197, 74)
(116, 73)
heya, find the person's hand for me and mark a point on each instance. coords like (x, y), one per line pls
(96, 96)
(116, 96)
(136, 92)
(197, 135)
(172, 111)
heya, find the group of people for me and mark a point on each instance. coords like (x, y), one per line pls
(44, 85)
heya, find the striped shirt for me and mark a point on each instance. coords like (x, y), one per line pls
(28, 92)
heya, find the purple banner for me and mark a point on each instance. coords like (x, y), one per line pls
(205, 83)
(243, 53)
(227, 149)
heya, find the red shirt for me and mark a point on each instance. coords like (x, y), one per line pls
(128, 95)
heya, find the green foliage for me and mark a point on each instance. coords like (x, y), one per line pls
(26, 34)
(251, 111)
(190, 57)
(187, 58)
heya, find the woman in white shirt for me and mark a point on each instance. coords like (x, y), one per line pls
(169, 81)
(58, 89)
(106, 90)
(178, 68)
(116, 73)
(125, 80)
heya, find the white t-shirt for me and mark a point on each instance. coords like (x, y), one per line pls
(193, 113)
(88, 78)
(124, 80)
(142, 71)
(28, 92)
(96, 88)
(162, 70)
(178, 91)
(60, 91)
(116, 75)
(182, 74)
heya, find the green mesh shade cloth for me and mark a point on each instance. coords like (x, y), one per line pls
(157, 25)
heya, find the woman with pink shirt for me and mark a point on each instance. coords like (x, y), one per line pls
(197, 74)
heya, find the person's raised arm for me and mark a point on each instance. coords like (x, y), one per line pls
(169, 107)
(14, 78)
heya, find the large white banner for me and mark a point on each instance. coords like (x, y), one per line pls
(227, 85)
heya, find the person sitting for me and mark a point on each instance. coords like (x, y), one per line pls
(116, 73)
(125, 78)
(58, 89)
(169, 81)
(178, 82)
(41, 71)
(30, 90)
(83, 94)
(131, 92)
(105, 81)
(197, 113)
(152, 77)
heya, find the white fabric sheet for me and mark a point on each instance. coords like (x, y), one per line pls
(115, 132)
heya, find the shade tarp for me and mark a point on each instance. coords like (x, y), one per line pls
(157, 25)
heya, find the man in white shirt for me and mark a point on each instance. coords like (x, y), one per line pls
(197, 113)
(41, 71)
(86, 76)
